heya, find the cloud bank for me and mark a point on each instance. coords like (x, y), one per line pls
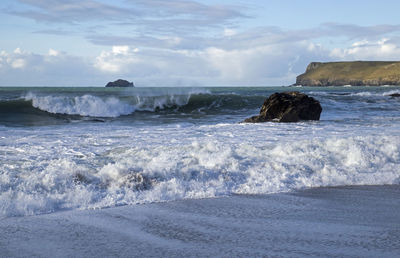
(180, 43)
(271, 64)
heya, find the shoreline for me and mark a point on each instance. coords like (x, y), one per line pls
(327, 221)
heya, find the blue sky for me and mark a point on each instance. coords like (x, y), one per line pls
(186, 42)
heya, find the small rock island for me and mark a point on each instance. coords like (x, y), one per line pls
(358, 73)
(291, 106)
(120, 83)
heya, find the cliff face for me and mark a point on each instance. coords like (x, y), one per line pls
(359, 73)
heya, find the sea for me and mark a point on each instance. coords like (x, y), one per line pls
(91, 148)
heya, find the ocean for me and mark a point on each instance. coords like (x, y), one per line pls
(87, 148)
(93, 151)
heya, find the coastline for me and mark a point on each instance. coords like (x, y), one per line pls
(329, 221)
(355, 73)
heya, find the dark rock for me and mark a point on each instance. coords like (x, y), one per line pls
(80, 179)
(137, 181)
(98, 120)
(120, 83)
(395, 95)
(288, 107)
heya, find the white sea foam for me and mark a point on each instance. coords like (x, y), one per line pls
(375, 94)
(391, 92)
(365, 94)
(95, 106)
(47, 172)
(86, 105)
(151, 103)
(360, 94)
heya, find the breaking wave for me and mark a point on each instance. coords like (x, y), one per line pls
(194, 101)
(356, 94)
(197, 169)
(86, 105)
(104, 106)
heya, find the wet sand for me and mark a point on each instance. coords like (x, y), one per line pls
(361, 221)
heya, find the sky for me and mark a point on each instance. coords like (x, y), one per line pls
(188, 42)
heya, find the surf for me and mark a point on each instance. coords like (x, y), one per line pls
(36, 108)
(159, 170)
(68, 160)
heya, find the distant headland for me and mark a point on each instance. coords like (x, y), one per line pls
(357, 73)
(120, 83)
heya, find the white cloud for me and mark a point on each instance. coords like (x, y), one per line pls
(23, 68)
(261, 63)
(53, 52)
(14, 60)
(383, 49)
(234, 65)
(273, 64)
(18, 51)
(117, 60)
(250, 59)
(18, 63)
(120, 50)
(229, 32)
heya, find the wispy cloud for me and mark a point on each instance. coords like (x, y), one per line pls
(352, 31)
(250, 38)
(73, 11)
(158, 16)
(59, 32)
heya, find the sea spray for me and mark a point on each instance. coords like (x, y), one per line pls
(86, 105)
(101, 106)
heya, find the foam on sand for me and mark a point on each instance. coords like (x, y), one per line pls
(323, 222)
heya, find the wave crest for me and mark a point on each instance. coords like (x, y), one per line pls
(196, 101)
(356, 94)
(86, 105)
(95, 106)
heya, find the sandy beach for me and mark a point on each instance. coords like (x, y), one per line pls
(356, 221)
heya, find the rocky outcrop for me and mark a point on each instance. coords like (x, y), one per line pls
(288, 107)
(358, 73)
(120, 83)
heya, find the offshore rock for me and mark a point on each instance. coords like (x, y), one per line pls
(395, 95)
(288, 107)
(120, 83)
